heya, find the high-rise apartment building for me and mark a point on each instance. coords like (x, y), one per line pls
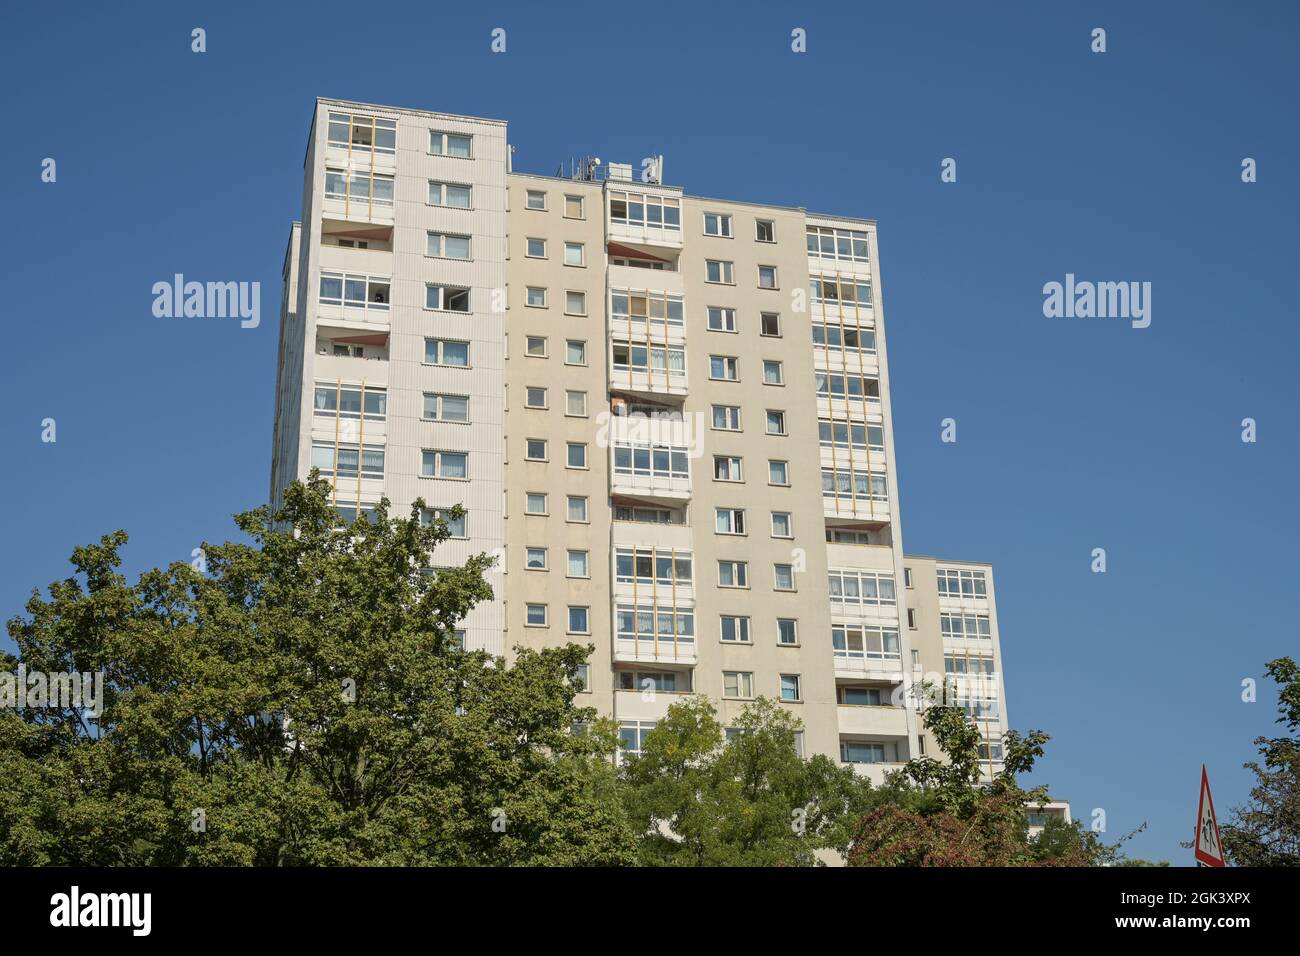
(668, 415)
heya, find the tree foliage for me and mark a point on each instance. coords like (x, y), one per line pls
(302, 702)
(1266, 831)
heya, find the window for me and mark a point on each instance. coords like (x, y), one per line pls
(576, 455)
(578, 564)
(735, 629)
(717, 224)
(647, 308)
(534, 397)
(632, 733)
(738, 684)
(724, 368)
(647, 622)
(784, 577)
(767, 277)
(657, 360)
(651, 566)
(781, 525)
(778, 472)
(577, 508)
(726, 468)
(851, 386)
(575, 303)
(773, 373)
(853, 293)
(733, 574)
(536, 297)
(362, 187)
(861, 588)
(959, 663)
(455, 525)
(651, 460)
(825, 242)
(368, 458)
(764, 230)
(847, 483)
(445, 408)
(851, 642)
(650, 515)
(456, 145)
(575, 254)
(770, 324)
(907, 577)
(575, 352)
(716, 270)
(355, 291)
(575, 403)
(790, 687)
(636, 209)
(730, 520)
(444, 464)
(446, 298)
(535, 346)
(536, 615)
(850, 434)
(967, 584)
(957, 627)
(573, 208)
(911, 618)
(536, 199)
(726, 417)
(775, 422)
(536, 249)
(535, 449)
(578, 623)
(647, 681)
(851, 696)
(447, 245)
(721, 320)
(535, 559)
(334, 400)
(363, 134)
(535, 503)
(833, 337)
(787, 631)
(450, 194)
(861, 751)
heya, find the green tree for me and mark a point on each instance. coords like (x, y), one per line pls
(698, 800)
(303, 702)
(949, 819)
(1266, 831)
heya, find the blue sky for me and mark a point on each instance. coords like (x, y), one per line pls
(1072, 434)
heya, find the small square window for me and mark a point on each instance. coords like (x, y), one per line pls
(770, 324)
(726, 417)
(535, 559)
(787, 631)
(717, 270)
(573, 207)
(790, 687)
(767, 277)
(724, 368)
(535, 345)
(575, 303)
(721, 319)
(578, 623)
(576, 456)
(717, 224)
(575, 352)
(579, 564)
(536, 249)
(781, 525)
(536, 615)
(735, 629)
(575, 403)
(764, 230)
(536, 297)
(535, 397)
(535, 503)
(773, 372)
(536, 199)
(535, 449)
(784, 577)
(778, 472)
(577, 508)
(775, 422)
(574, 254)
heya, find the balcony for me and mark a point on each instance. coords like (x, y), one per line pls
(647, 650)
(353, 301)
(650, 471)
(636, 705)
(352, 358)
(869, 721)
(643, 214)
(856, 666)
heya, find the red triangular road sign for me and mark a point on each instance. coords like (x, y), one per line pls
(1209, 849)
